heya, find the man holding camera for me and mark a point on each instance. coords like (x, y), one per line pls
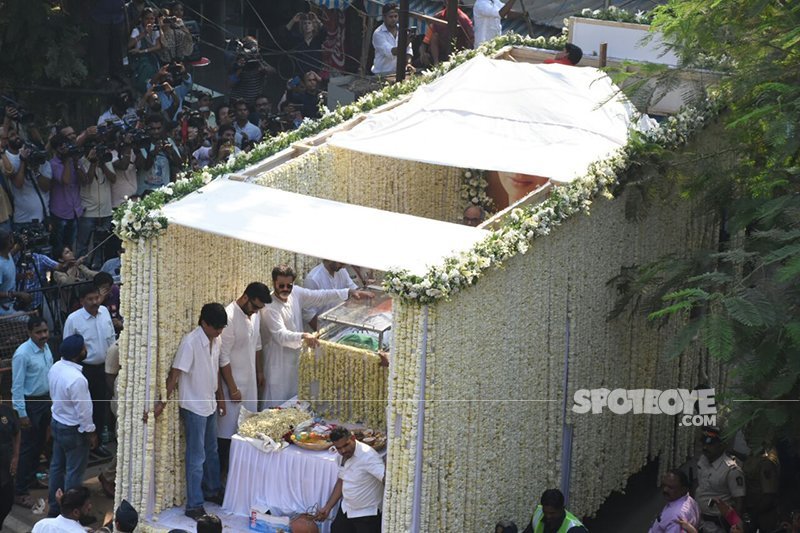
(172, 83)
(65, 196)
(28, 174)
(95, 222)
(153, 165)
(243, 126)
(248, 72)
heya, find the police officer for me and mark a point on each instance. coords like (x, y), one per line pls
(762, 472)
(551, 517)
(718, 476)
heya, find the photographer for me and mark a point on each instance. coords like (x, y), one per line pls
(120, 110)
(154, 163)
(171, 83)
(302, 95)
(95, 223)
(76, 139)
(28, 172)
(8, 277)
(248, 72)
(176, 39)
(124, 162)
(65, 196)
(305, 42)
(222, 148)
(144, 42)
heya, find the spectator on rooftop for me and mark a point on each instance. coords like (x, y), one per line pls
(305, 42)
(176, 40)
(248, 72)
(144, 42)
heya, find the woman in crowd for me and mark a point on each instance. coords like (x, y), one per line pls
(144, 44)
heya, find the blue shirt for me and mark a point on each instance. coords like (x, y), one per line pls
(8, 283)
(29, 368)
(30, 277)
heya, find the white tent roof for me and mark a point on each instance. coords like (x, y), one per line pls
(342, 232)
(542, 120)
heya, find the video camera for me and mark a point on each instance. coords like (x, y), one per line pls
(101, 150)
(19, 113)
(33, 236)
(176, 73)
(37, 155)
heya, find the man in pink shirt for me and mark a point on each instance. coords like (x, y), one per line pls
(680, 505)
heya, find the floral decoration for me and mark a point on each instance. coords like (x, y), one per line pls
(473, 189)
(617, 14)
(142, 219)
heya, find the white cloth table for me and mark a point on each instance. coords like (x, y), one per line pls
(289, 482)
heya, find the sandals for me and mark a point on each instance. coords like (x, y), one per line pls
(24, 500)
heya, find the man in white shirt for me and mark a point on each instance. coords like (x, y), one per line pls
(93, 322)
(283, 320)
(72, 427)
(242, 124)
(241, 347)
(76, 504)
(487, 15)
(29, 183)
(95, 222)
(384, 40)
(326, 275)
(196, 369)
(360, 486)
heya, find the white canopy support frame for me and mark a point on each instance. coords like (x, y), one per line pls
(541, 120)
(342, 232)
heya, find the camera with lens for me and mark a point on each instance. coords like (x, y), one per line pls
(18, 113)
(37, 156)
(34, 237)
(73, 151)
(107, 128)
(140, 137)
(101, 151)
(176, 73)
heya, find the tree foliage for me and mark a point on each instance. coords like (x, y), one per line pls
(40, 43)
(741, 300)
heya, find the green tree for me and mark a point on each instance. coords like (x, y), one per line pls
(40, 43)
(741, 300)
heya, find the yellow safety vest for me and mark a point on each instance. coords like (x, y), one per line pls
(570, 521)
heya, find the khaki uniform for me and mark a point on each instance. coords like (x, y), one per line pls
(721, 479)
(762, 472)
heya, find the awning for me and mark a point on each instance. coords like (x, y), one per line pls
(541, 120)
(332, 4)
(338, 231)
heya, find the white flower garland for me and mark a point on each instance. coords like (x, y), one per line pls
(473, 189)
(618, 14)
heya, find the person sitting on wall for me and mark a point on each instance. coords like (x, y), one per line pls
(570, 55)
(550, 516)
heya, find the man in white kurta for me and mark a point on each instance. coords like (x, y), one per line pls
(283, 319)
(241, 346)
(487, 15)
(327, 275)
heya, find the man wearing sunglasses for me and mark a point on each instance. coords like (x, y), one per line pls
(283, 319)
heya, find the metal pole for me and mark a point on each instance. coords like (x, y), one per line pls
(452, 23)
(603, 54)
(402, 41)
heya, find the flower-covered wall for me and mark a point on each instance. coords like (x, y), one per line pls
(167, 279)
(495, 372)
(420, 189)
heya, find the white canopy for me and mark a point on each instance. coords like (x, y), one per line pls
(341, 232)
(542, 120)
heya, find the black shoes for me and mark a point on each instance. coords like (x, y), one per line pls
(195, 513)
(217, 498)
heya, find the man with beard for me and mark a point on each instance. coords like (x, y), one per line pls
(93, 322)
(283, 318)
(72, 427)
(76, 506)
(680, 505)
(551, 517)
(360, 486)
(30, 395)
(241, 347)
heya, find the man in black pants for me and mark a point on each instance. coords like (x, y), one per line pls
(9, 451)
(30, 394)
(93, 323)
